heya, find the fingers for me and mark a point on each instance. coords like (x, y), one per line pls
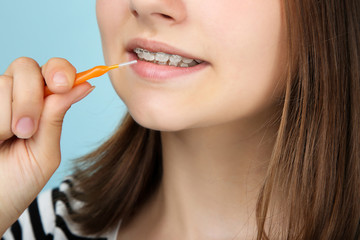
(56, 105)
(27, 96)
(5, 106)
(22, 93)
(59, 75)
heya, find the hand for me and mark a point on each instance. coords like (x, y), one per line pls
(30, 129)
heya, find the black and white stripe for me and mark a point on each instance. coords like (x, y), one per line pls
(47, 219)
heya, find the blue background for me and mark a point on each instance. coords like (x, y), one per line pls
(43, 29)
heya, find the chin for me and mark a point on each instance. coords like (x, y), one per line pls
(158, 125)
(159, 122)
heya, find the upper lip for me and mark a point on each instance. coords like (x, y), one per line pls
(155, 46)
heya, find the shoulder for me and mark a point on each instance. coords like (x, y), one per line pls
(48, 218)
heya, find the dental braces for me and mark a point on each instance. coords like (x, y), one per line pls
(165, 59)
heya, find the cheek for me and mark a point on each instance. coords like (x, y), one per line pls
(111, 17)
(110, 12)
(245, 66)
(250, 61)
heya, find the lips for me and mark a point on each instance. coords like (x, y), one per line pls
(158, 73)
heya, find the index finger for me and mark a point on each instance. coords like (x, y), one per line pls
(27, 96)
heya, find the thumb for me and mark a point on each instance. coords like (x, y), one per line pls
(47, 138)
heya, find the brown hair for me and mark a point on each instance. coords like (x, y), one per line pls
(315, 164)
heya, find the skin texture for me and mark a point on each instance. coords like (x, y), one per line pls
(86, 75)
(30, 129)
(253, 44)
(213, 123)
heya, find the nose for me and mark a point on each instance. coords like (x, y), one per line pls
(152, 12)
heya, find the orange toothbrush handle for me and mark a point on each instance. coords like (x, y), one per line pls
(86, 75)
(92, 73)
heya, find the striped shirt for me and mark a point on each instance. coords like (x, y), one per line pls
(47, 219)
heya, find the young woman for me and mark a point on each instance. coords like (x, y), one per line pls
(243, 124)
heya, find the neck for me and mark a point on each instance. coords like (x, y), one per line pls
(211, 180)
(215, 172)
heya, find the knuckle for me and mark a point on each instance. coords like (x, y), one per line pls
(5, 106)
(57, 59)
(29, 105)
(25, 61)
(5, 125)
(5, 134)
(58, 65)
(65, 64)
(33, 103)
(5, 82)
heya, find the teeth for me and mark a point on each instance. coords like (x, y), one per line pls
(187, 60)
(148, 56)
(162, 57)
(175, 60)
(166, 59)
(139, 52)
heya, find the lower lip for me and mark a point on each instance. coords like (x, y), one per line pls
(158, 73)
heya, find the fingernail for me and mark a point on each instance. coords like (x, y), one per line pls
(60, 80)
(24, 128)
(84, 95)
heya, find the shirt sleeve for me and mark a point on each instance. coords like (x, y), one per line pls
(37, 222)
(47, 219)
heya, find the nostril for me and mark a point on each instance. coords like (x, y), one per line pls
(163, 16)
(166, 16)
(168, 11)
(135, 13)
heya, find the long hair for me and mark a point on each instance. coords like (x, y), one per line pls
(316, 160)
(315, 165)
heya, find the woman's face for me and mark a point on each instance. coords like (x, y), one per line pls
(239, 47)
